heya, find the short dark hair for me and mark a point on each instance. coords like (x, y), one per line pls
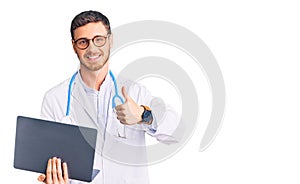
(86, 17)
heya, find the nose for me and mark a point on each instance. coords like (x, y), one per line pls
(92, 47)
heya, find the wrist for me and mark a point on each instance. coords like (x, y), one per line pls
(141, 111)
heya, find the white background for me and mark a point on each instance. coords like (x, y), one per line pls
(256, 44)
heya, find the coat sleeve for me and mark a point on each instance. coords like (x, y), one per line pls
(55, 102)
(165, 118)
(47, 108)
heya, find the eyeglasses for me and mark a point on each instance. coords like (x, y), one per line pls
(83, 43)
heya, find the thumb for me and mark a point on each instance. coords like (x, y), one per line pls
(125, 94)
(42, 177)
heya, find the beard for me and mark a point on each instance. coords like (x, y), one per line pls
(97, 65)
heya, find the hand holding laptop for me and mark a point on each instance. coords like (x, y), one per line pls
(56, 172)
(74, 144)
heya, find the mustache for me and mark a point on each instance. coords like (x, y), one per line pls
(93, 53)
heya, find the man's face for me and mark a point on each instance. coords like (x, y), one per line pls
(93, 57)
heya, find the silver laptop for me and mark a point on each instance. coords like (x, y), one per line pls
(38, 140)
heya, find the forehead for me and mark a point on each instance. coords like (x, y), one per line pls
(90, 30)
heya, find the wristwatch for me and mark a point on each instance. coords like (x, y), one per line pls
(147, 117)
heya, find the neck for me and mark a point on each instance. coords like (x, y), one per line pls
(94, 79)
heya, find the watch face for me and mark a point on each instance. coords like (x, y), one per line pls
(147, 116)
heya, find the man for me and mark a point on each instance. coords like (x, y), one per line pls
(121, 129)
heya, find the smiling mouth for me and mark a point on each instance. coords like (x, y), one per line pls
(93, 57)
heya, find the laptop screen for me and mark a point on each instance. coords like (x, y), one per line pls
(38, 140)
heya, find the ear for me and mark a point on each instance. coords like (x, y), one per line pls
(111, 39)
(74, 48)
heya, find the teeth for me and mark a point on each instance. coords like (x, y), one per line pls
(93, 57)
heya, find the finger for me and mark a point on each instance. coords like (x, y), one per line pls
(120, 113)
(120, 107)
(49, 171)
(124, 120)
(54, 170)
(66, 174)
(125, 94)
(121, 119)
(59, 171)
(41, 178)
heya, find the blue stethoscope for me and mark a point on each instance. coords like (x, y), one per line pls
(115, 97)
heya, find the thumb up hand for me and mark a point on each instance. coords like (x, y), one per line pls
(129, 113)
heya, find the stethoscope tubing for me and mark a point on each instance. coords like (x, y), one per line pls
(116, 96)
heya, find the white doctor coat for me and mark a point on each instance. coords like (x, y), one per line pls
(119, 148)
